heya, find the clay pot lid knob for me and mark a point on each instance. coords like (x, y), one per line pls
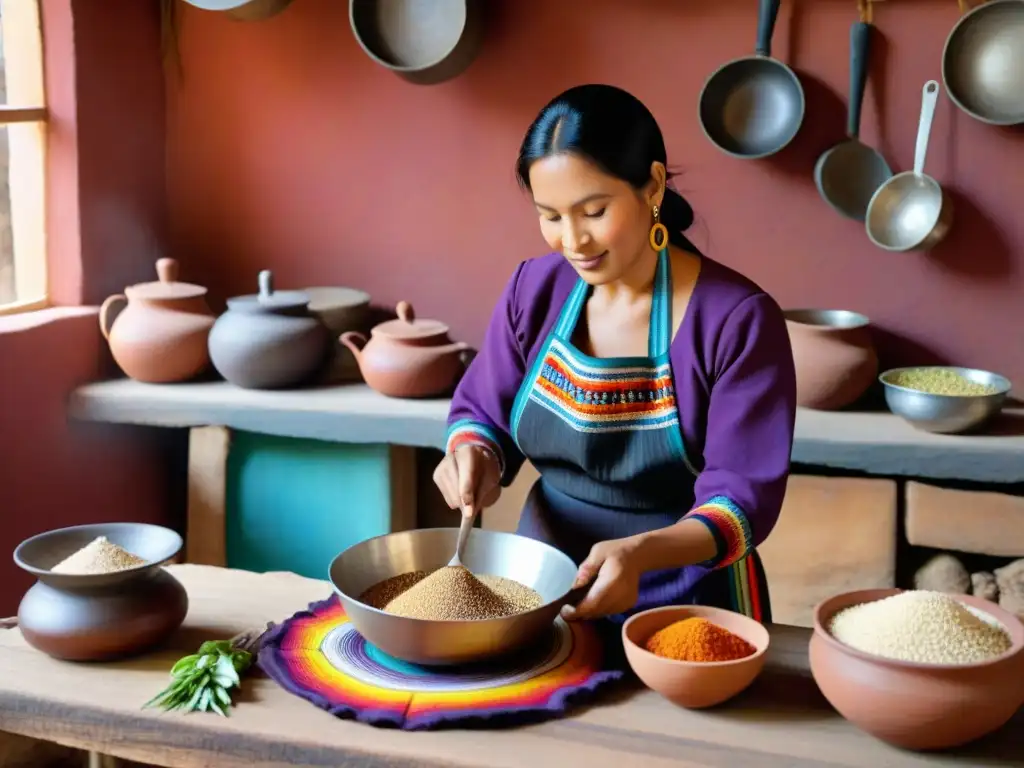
(167, 270)
(405, 312)
(266, 283)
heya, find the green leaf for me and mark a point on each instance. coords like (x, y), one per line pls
(185, 665)
(196, 698)
(223, 695)
(226, 669)
(205, 699)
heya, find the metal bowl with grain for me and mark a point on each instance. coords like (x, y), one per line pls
(945, 413)
(420, 641)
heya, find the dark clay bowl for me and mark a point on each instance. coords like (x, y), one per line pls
(102, 616)
(693, 684)
(913, 705)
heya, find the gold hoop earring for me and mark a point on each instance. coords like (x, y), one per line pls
(659, 233)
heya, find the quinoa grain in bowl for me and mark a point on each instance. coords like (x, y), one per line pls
(923, 627)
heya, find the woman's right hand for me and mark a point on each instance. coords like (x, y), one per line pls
(469, 478)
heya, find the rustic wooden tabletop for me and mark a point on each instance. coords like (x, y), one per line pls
(782, 721)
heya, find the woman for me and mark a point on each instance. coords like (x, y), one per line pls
(652, 388)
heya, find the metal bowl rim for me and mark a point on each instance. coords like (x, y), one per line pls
(443, 622)
(83, 578)
(954, 33)
(1005, 387)
(863, 321)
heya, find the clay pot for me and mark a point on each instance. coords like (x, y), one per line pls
(341, 310)
(103, 616)
(408, 357)
(694, 684)
(917, 706)
(161, 335)
(834, 355)
(269, 340)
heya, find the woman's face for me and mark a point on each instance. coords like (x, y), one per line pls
(601, 224)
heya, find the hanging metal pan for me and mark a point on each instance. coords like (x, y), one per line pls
(911, 212)
(243, 10)
(848, 174)
(753, 107)
(983, 62)
(423, 41)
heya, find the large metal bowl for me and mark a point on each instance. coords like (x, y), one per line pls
(946, 414)
(530, 562)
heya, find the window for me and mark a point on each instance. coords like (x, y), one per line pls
(22, 158)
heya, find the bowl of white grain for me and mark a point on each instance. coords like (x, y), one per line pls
(921, 670)
(101, 591)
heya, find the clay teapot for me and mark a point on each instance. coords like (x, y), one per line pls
(269, 340)
(408, 357)
(160, 336)
(834, 355)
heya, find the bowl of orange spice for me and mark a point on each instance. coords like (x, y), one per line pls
(695, 656)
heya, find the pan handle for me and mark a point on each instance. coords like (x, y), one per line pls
(767, 13)
(929, 97)
(860, 51)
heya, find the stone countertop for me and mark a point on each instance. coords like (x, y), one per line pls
(781, 721)
(873, 442)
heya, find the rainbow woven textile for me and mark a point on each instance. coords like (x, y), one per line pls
(318, 656)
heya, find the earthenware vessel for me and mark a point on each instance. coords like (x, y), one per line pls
(341, 310)
(409, 357)
(161, 334)
(694, 684)
(834, 355)
(269, 340)
(99, 617)
(912, 705)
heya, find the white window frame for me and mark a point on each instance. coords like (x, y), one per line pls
(26, 116)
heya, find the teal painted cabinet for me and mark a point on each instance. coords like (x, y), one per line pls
(292, 505)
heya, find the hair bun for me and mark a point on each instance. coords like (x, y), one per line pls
(676, 214)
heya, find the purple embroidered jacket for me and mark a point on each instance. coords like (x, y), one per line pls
(734, 378)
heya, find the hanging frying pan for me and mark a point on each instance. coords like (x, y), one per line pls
(983, 62)
(243, 10)
(848, 174)
(911, 212)
(753, 107)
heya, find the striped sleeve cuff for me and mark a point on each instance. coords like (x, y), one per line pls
(468, 432)
(730, 527)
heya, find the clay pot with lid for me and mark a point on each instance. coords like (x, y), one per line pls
(408, 357)
(269, 340)
(161, 334)
(834, 355)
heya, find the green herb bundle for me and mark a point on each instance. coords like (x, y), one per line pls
(203, 681)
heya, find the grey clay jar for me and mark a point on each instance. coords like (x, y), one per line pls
(100, 617)
(269, 340)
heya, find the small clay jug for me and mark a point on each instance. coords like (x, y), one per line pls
(104, 616)
(407, 357)
(834, 355)
(269, 340)
(161, 335)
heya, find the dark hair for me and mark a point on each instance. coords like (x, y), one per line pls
(612, 129)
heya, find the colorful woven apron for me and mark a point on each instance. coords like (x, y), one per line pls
(605, 436)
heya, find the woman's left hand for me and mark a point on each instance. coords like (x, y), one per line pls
(613, 573)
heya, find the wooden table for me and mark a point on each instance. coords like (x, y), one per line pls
(780, 722)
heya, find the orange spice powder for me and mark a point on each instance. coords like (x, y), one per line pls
(697, 639)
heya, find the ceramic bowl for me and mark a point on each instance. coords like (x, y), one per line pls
(96, 617)
(693, 684)
(911, 705)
